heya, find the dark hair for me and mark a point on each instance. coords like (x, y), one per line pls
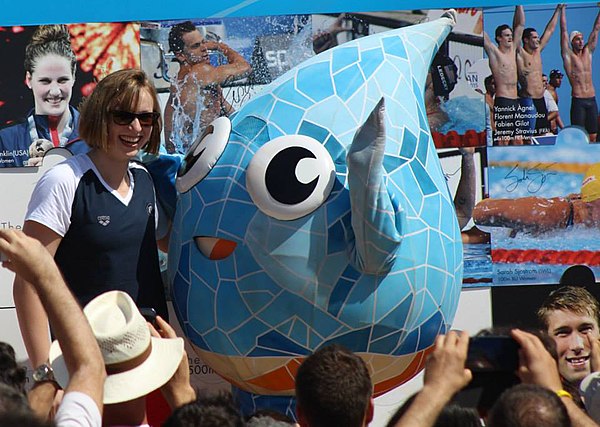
(10, 371)
(333, 387)
(528, 405)
(211, 410)
(23, 420)
(499, 30)
(269, 413)
(452, 415)
(49, 40)
(527, 32)
(176, 43)
(569, 298)
(12, 401)
(118, 90)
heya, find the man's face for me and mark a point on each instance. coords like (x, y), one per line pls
(194, 50)
(577, 43)
(556, 81)
(505, 38)
(545, 81)
(571, 332)
(533, 41)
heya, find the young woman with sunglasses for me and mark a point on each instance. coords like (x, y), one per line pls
(96, 212)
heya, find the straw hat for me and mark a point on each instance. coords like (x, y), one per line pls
(136, 363)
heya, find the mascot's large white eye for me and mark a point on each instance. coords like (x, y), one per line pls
(290, 176)
(203, 154)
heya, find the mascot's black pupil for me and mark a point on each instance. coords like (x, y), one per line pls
(281, 180)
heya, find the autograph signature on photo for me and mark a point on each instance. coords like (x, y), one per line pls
(534, 177)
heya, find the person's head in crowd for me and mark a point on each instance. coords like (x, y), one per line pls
(211, 410)
(452, 415)
(12, 401)
(186, 42)
(531, 39)
(503, 35)
(23, 419)
(50, 66)
(580, 275)
(456, 416)
(333, 387)
(570, 316)
(269, 418)
(136, 363)
(113, 106)
(10, 371)
(555, 78)
(528, 405)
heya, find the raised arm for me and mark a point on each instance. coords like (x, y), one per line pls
(487, 43)
(565, 48)
(550, 27)
(445, 375)
(237, 67)
(518, 27)
(464, 199)
(33, 320)
(32, 262)
(593, 39)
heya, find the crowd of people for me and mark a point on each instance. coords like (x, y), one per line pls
(524, 101)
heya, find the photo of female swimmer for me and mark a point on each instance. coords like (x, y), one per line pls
(96, 212)
(50, 66)
(539, 214)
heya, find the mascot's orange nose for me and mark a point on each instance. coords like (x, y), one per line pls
(214, 248)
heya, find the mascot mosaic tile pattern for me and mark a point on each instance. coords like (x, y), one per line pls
(320, 215)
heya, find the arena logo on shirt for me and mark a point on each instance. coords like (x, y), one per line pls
(103, 220)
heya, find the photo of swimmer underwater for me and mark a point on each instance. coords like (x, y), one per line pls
(544, 92)
(543, 210)
(52, 68)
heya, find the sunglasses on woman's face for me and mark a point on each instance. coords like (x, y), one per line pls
(124, 118)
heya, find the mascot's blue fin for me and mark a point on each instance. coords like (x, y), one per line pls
(376, 237)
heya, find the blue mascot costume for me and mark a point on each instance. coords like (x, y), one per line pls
(320, 214)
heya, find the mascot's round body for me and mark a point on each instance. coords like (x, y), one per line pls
(321, 215)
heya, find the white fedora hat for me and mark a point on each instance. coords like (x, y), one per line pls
(136, 363)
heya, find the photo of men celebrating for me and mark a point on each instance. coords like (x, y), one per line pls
(519, 60)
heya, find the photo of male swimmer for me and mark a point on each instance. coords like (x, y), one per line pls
(539, 214)
(503, 63)
(577, 60)
(196, 97)
(529, 69)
